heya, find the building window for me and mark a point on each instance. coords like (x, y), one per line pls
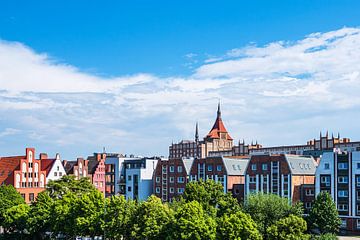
(180, 190)
(171, 190)
(342, 193)
(171, 168)
(129, 178)
(358, 223)
(55, 174)
(343, 223)
(253, 167)
(180, 179)
(326, 180)
(264, 166)
(129, 189)
(252, 179)
(23, 195)
(343, 207)
(265, 179)
(358, 165)
(157, 179)
(157, 190)
(210, 168)
(179, 169)
(358, 181)
(326, 166)
(308, 205)
(171, 179)
(343, 166)
(31, 197)
(309, 192)
(60, 174)
(343, 179)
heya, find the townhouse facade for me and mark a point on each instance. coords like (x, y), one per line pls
(93, 168)
(53, 167)
(171, 176)
(339, 174)
(289, 176)
(24, 173)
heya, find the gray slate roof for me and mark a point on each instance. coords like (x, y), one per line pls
(302, 165)
(235, 166)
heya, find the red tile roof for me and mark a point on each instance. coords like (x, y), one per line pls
(218, 127)
(46, 165)
(8, 165)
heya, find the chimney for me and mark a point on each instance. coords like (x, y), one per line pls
(43, 156)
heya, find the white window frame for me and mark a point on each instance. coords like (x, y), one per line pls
(341, 166)
(253, 167)
(343, 177)
(179, 169)
(157, 189)
(264, 166)
(180, 179)
(252, 179)
(171, 179)
(171, 168)
(343, 193)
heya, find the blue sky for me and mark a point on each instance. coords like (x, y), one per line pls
(135, 75)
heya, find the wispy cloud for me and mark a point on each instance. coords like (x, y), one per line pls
(278, 93)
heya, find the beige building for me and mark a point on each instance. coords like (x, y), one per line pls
(217, 140)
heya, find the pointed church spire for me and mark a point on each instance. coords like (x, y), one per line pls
(338, 135)
(197, 132)
(219, 111)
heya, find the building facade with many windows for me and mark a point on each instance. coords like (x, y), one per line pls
(288, 176)
(339, 174)
(24, 173)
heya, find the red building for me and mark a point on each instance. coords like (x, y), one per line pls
(93, 167)
(171, 176)
(24, 173)
(289, 176)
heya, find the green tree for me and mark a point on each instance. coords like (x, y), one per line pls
(266, 209)
(9, 197)
(152, 219)
(237, 226)
(208, 192)
(191, 222)
(289, 228)
(324, 215)
(119, 217)
(41, 215)
(16, 218)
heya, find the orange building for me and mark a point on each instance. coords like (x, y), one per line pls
(24, 173)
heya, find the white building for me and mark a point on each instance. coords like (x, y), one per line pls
(339, 174)
(129, 176)
(53, 167)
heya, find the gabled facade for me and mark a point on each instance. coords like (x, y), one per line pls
(24, 173)
(96, 170)
(289, 176)
(53, 167)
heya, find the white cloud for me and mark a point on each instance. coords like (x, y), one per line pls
(281, 93)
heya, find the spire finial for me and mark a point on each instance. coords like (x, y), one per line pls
(219, 110)
(197, 132)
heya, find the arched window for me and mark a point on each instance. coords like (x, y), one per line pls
(23, 168)
(30, 156)
(17, 181)
(42, 180)
(36, 167)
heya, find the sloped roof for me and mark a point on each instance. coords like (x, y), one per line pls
(8, 165)
(218, 127)
(188, 164)
(301, 165)
(69, 167)
(235, 166)
(46, 165)
(92, 165)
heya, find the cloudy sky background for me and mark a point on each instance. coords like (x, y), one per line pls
(283, 92)
(133, 76)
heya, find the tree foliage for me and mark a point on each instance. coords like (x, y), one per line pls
(236, 226)
(324, 215)
(266, 209)
(9, 198)
(191, 222)
(288, 228)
